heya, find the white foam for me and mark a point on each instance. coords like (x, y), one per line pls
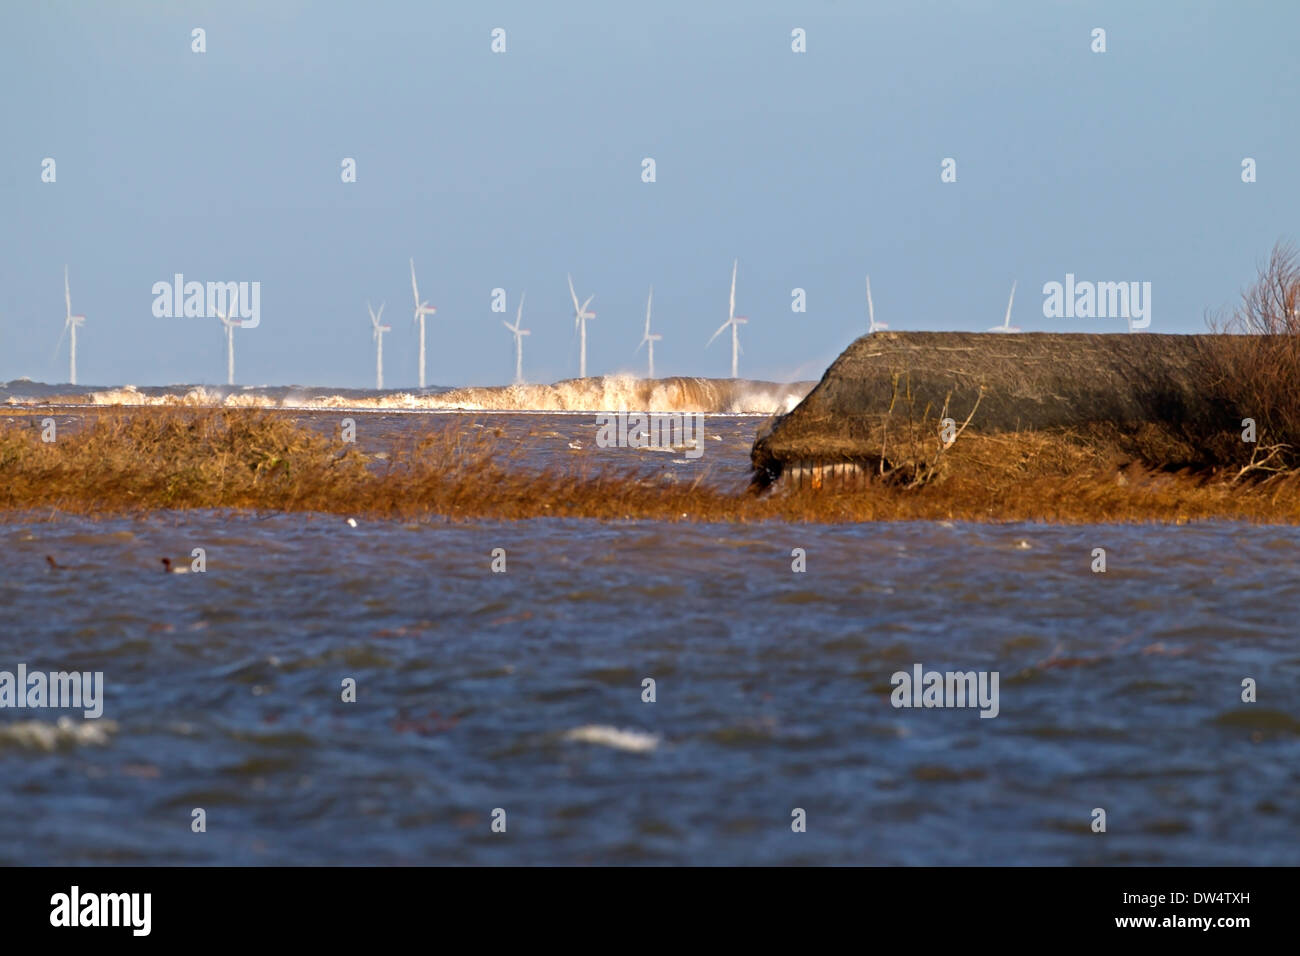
(606, 393)
(40, 735)
(631, 741)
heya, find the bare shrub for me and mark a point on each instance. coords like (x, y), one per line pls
(1255, 366)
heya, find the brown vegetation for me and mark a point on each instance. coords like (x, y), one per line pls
(125, 461)
(1256, 367)
(1043, 428)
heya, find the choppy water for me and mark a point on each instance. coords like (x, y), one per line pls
(479, 690)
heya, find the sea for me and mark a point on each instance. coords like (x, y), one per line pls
(330, 691)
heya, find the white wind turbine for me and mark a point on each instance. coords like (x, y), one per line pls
(231, 324)
(649, 339)
(70, 325)
(1006, 325)
(421, 310)
(735, 321)
(379, 331)
(872, 325)
(519, 340)
(580, 317)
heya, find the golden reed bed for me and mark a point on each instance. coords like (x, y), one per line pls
(125, 461)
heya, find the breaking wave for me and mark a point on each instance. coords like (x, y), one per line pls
(611, 393)
(595, 394)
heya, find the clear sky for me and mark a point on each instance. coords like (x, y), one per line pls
(509, 170)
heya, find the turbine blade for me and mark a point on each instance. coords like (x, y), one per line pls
(648, 302)
(576, 307)
(871, 309)
(67, 291)
(731, 311)
(59, 343)
(415, 288)
(722, 328)
(1007, 320)
(520, 313)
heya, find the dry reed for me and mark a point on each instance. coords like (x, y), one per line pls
(126, 461)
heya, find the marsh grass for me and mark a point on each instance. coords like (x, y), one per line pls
(131, 460)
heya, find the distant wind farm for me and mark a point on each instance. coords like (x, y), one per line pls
(229, 314)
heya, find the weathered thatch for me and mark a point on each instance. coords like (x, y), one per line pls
(888, 383)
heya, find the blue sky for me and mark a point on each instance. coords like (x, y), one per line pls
(509, 170)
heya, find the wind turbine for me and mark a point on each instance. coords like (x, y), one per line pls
(649, 339)
(421, 310)
(735, 321)
(379, 331)
(872, 325)
(519, 340)
(580, 317)
(70, 326)
(1006, 325)
(231, 324)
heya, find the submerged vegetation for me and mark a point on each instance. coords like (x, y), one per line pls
(124, 461)
(1129, 429)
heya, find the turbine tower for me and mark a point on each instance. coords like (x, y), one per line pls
(580, 317)
(70, 324)
(1006, 325)
(231, 324)
(421, 310)
(649, 339)
(519, 341)
(379, 331)
(735, 321)
(873, 325)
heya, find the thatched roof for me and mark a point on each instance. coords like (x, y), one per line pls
(1021, 381)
